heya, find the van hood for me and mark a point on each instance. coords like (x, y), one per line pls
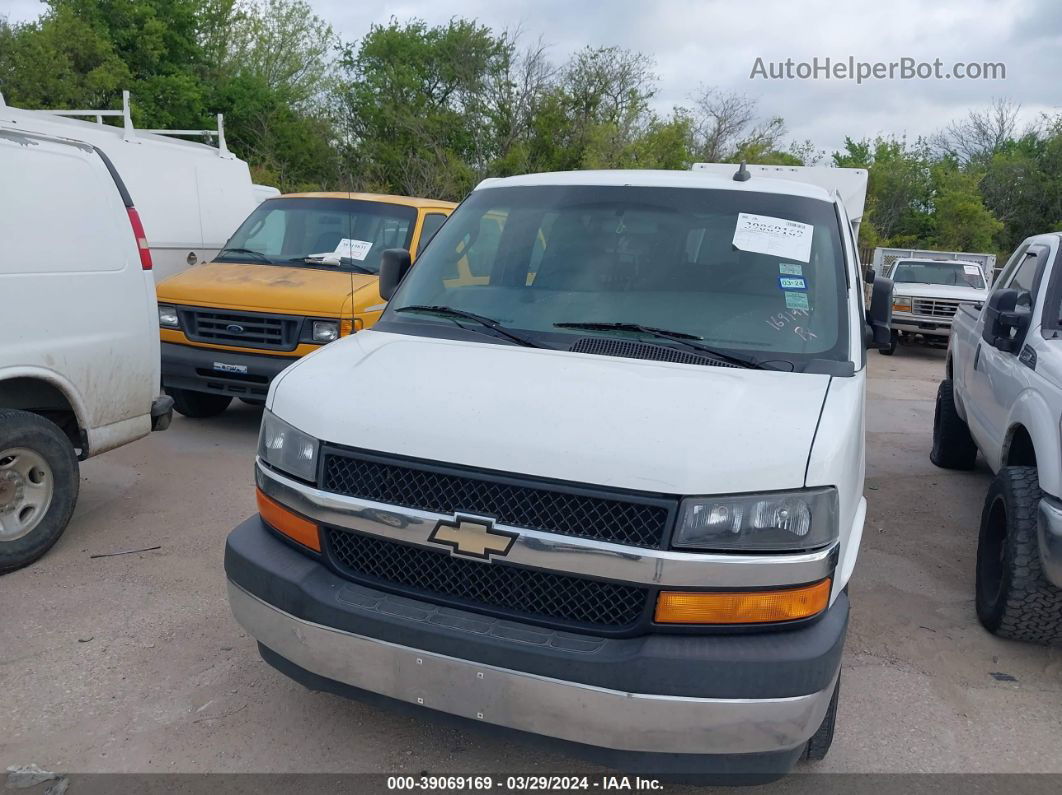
(953, 292)
(269, 288)
(626, 423)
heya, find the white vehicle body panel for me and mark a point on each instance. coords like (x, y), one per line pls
(996, 393)
(644, 425)
(190, 197)
(77, 311)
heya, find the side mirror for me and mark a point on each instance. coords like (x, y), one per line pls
(879, 316)
(869, 276)
(1006, 319)
(394, 265)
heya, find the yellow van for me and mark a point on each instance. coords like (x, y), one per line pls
(300, 272)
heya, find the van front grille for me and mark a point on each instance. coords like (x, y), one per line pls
(494, 588)
(620, 517)
(243, 329)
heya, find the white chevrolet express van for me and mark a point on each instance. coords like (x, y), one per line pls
(605, 486)
(79, 347)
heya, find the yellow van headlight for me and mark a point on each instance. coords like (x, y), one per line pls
(325, 331)
(168, 317)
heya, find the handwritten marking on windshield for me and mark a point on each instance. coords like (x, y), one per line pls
(791, 320)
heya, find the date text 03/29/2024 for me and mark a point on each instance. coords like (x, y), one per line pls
(522, 783)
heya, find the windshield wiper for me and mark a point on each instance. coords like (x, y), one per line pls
(680, 337)
(345, 261)
(449, 311)
(262, 257)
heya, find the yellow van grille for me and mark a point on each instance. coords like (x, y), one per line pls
(244, 329)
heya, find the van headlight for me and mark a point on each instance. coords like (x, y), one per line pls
(168, 317)
(287, 448)
(325, 331)
(777, 522)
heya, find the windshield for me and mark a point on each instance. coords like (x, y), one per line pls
(956, 274)
(539, 260)
(344, 234)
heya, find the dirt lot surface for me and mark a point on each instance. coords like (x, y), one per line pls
(134, 664)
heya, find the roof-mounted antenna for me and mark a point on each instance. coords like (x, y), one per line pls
(742, 174)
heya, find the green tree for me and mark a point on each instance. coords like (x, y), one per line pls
(414, 108)
(960, 219)
(59, 61)
(899, 193)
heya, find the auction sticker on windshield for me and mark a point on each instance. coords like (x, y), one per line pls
(764, 234)
(353, 249)
(971, 270)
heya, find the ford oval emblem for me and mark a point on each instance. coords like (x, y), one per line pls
(234, 328)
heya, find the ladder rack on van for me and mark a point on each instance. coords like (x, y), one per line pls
(129, 131)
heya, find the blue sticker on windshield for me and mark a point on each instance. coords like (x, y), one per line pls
(792, 283)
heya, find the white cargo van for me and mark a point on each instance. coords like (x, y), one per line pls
(191, 197)
(79, 340)
(606, 486)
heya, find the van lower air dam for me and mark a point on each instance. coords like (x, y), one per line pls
(538, 546)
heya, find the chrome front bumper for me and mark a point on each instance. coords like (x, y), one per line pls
(527, 702)
(1049, 535)
(929, 325)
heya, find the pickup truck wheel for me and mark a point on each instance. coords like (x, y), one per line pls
(894, 343)
(198, 405)
(819, 744)
(39, 481)
(953, 447)
(1014, 599)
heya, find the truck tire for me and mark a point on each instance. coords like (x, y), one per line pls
(198, 405)
(894, 343)
(953, 447)
(1014, 599)
(819, 744)
(39, 481)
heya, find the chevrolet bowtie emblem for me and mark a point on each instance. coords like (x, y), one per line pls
(472, 537)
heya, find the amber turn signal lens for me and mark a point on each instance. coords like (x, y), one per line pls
(348, 326)
(742, 607)
(290, 524)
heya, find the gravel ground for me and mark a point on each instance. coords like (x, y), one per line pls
(134, 664)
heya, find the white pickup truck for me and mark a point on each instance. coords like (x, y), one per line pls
(1002, 395)
(926, 294)
(605, 488)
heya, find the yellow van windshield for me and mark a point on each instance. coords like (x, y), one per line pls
(347, 234)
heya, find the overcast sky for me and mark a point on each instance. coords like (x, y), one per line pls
(715, 42)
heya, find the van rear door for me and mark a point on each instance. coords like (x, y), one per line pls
(77, 306)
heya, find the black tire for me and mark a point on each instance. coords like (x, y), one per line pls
(21, 430)
(953, 447)
(819, 744)
(1014, 599)
(198, 405)
(894, 343)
